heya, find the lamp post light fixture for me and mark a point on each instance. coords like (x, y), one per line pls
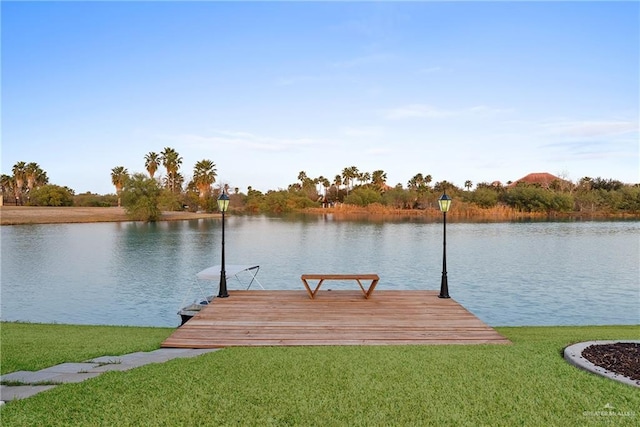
(223, 205)
(445, 203)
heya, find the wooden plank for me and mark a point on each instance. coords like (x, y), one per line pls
(276, 318)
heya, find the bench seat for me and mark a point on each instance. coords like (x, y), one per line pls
(374, 278)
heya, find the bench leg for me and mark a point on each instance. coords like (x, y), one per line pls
(368, 292)
(364, 291)
(315, 291)
(306, 286)
(312, 294)
(371, 288)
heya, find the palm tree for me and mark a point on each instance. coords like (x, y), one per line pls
(176, 181)
(8, 184)
(41, 178)
(442, 186)
(30, 172)
(318, 181)
(349, 174)
(295, 187)
(354, 174)
(365, 177)
(420, 184)
(302, 177)
(468, 184)
(337, 181)
(325, 184)
(171, 161)
(35, 176)
(151, 162)
(119, 176)
(305, 181)
(379, 179)
(416, 182)
(19, 175)
(204, 174)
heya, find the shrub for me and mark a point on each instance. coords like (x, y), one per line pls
(169, 201)
(95, 200)
(140, 197)
(51, 195)
(485, 197)
(363, 196)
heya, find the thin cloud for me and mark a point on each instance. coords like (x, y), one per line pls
(381, 20)
(369, 132)
(485, 110)
(590, 149)
(579, 147)
(243, 140)
(426, 111)
(417, 111)
(587, 129)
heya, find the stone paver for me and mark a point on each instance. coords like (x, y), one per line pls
(22, 391)
(45, 379)
(69, 368)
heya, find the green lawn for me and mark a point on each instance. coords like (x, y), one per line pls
(33, 346)
(526, 383)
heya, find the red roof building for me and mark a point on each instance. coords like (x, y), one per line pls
(543, 179)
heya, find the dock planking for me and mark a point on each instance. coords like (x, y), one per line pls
(333, 317)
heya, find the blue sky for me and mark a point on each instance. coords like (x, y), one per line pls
(461, 91)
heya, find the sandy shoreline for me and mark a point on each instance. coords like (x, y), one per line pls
(17, 215)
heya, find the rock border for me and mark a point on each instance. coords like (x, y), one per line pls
(573, 355)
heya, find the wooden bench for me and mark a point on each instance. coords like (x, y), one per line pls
(357, 277)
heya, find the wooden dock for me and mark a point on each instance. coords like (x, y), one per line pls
(289, 318)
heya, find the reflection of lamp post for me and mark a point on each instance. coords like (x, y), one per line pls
(445, 203)
(223, 205)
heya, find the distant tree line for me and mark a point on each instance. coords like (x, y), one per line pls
(590, 196)
(29, 185)
(145, 195)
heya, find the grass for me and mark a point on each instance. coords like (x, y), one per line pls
(527, 383)
(33, 346)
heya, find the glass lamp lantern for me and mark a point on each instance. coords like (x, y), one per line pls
(223, 202)
(444, 201)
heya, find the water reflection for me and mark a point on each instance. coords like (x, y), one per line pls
(534, 273)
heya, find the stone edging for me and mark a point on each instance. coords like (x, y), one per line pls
(573, 355)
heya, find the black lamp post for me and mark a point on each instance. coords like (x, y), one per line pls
(445, 203)
(223, 205)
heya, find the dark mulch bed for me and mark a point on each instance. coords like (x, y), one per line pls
(621, 358)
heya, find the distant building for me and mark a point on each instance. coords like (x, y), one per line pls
(543, 179)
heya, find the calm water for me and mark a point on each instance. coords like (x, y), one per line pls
(541, 273)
